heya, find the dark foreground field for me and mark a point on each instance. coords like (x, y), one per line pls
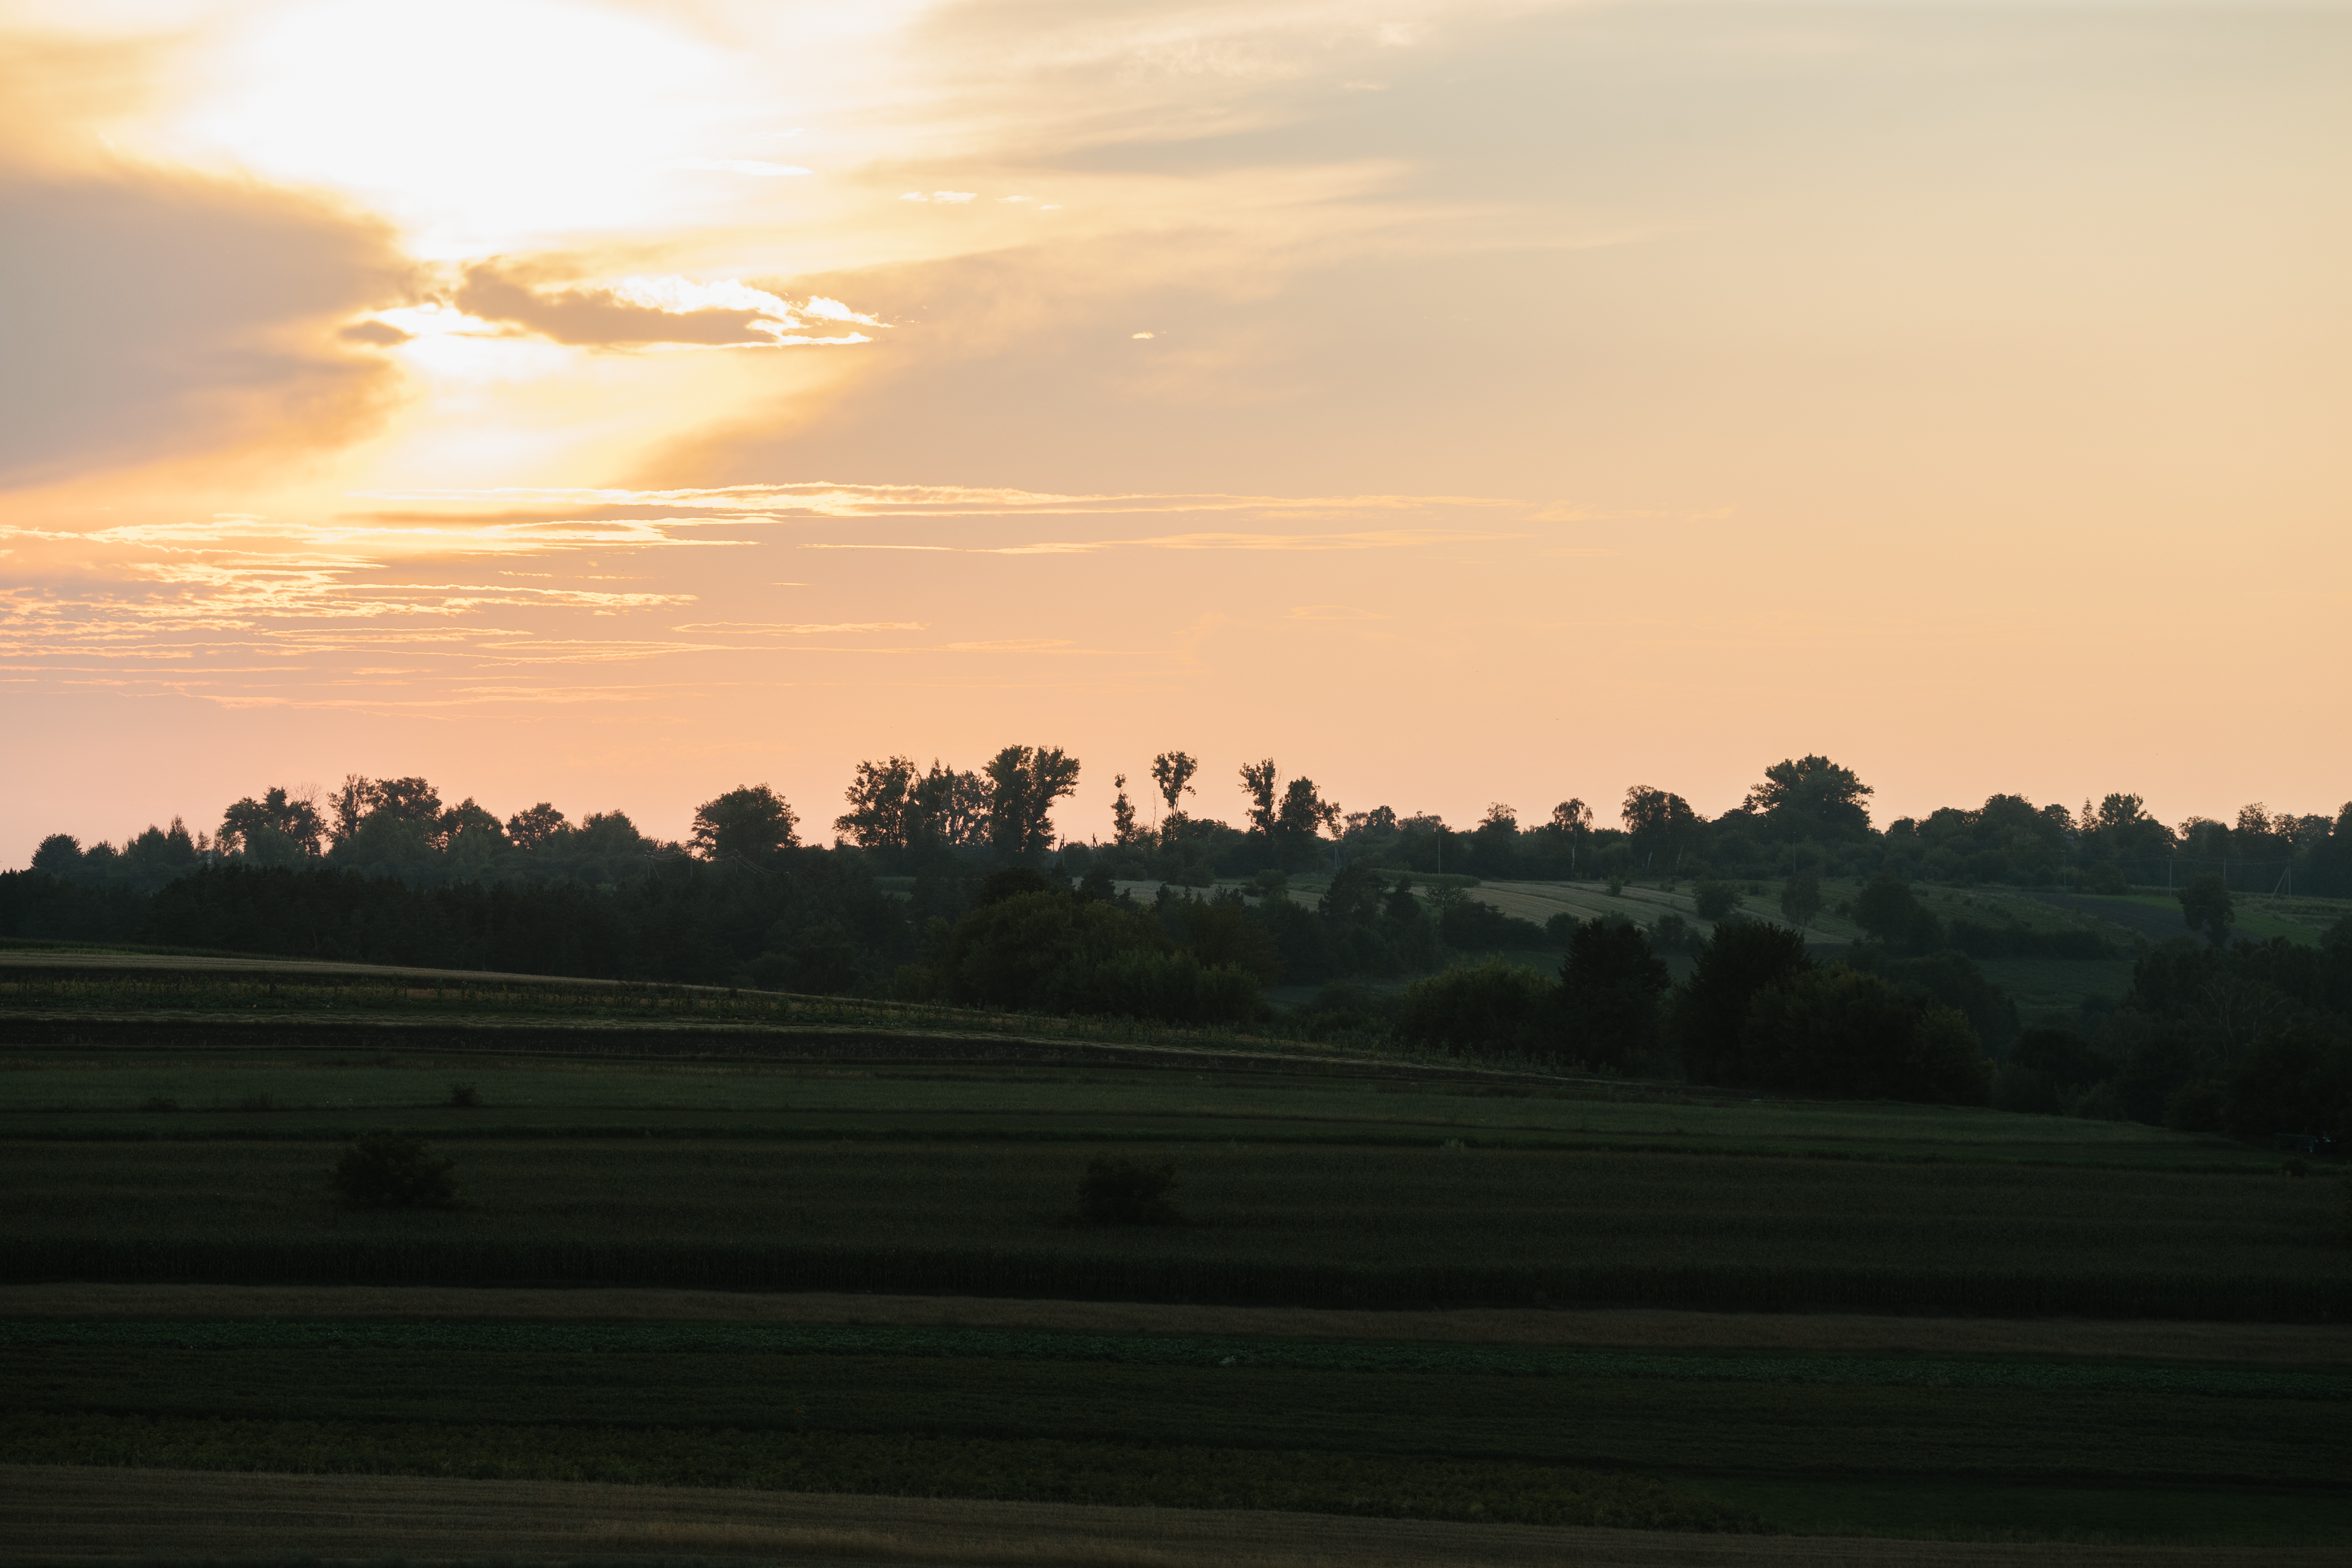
(1397, 1295)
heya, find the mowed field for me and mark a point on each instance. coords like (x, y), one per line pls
(1469, 1300)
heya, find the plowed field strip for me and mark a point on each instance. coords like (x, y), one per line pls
(73, 1515)
(2283, 1343)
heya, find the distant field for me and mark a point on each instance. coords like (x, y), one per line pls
(695, 1143)
(1325, 1223)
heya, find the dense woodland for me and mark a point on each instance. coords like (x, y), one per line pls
(955, 888)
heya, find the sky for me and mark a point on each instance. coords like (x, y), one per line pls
(611, 404)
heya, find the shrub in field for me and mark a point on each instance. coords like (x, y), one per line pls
(1049, 950)
(1610, 983)
(1714, 899)
(2106, 877)
(392, 1170)
(1952, 979)
(2206, 906)
(1843, 1032)
(1672, 933)
(1122, 1192)
(1742, 958)
(464, 1095)
(2194, 1107)
(2296, 1080)
(1492, 1006)
(1889, 914)
(2062, 1056)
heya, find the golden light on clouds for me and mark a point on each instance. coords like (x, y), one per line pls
(612, 402)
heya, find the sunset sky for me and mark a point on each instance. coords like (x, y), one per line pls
(612, 404)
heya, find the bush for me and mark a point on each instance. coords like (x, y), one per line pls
(1492, 1006)
(1742, 958)
(2016, 1087)
(2296, 1080)
(2207, 906)
(1051, 951)
(392, 1170)
(1610, 983)
(2194, 1108)
(1121, 1192)
(464, 1095)
(1714, 900)
(1889, 914)
(1340, 1007)
(1840, 1031)
(2059, 1055)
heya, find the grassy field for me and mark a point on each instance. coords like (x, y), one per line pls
(1687, 1440)
(75, 1514)
(693, 1142)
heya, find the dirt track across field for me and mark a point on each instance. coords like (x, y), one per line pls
(57, 1514)
(1631, 1328)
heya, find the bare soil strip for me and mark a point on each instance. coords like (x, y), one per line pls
(2309, 1344)
(72, 1515)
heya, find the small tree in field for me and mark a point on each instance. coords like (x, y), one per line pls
(2207, 906)
(1801, 900)
(392, 1170)
(1121, 1192)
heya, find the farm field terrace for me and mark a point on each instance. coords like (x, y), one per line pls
(1306, 1181)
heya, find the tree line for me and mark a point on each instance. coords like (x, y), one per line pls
(1805, 816)
(954, 885)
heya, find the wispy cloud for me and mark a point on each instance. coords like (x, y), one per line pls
(1380, 539)
(651, 311)
(818, 498)
(799, 629)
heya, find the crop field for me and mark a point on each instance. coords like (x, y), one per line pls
(1369, 1309)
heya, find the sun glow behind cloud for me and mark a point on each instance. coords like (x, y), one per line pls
(1638, 388)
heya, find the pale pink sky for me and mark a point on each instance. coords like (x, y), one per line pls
(616, 403)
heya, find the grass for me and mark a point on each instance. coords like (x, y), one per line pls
(1033, 1469)
(249, 1521)
(686, 1142)
(1624, 1328)
(2054, 989)
(1892, 1444)
(319, 1095)
(1330, 1225)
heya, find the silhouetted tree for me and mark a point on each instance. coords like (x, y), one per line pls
(537, 827)
(1024, 782)
(59, 855)
(1303, 815)
(881, 801)
(753, 822)
(948, 807)
(1811, 797)
(1661, 825)
(1257, 783)
(297, 822)
(1172, 772)
(1123, 830)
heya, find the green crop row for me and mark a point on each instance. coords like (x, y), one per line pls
(1175, 1350)
(1231, 1281)
(1030, 1470)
